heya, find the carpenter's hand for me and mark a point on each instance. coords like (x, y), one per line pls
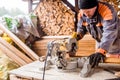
(96, 58)
(72, 52)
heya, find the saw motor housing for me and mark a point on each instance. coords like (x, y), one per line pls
(58, 51)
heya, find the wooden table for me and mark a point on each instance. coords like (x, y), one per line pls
(32, 72)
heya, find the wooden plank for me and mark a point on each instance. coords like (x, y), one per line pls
(54, 37)
(86, 45)
(113, 60)
(32, 70)
(25, 48)
(45, 41)
(29, 74)
(15, 51)
(10, 54)
(14, 77)
(87, 37)
(76, 14)
(82, 43)
(41, 52)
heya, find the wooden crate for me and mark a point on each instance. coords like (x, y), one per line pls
(86, 45)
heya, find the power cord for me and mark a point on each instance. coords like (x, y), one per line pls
(49, 47)
(45, 67)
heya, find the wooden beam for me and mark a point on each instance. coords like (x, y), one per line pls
(76, 14)
(30, 5)
(69, 5)
(15, 51)
(10, 54)
(25, 48)
(76, 6)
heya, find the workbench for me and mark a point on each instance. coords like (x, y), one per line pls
(32, 71)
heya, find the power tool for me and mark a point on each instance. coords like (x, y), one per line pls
(59, 51)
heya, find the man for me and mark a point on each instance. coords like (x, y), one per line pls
(101, 21)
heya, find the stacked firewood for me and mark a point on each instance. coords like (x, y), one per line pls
(55, 18)
(115, 4)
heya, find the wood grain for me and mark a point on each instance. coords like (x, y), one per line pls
(55, 17)
(25, 48)
(16, 51)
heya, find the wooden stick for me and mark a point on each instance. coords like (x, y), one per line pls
(15, 51)
(25, 48)
(10, 54)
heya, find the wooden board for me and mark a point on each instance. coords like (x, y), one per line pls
(25, 48)
(86, 45)
(15, 51)
(10, 54)
(14, 77)
(33, 71)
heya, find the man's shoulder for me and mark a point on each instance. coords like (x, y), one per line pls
(101, 3)
(105, 10)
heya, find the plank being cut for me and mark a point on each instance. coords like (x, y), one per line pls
(86, 44)
(107, 60)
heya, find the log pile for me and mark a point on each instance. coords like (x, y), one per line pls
(55, 18)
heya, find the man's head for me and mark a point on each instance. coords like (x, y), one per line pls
(88, 7)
